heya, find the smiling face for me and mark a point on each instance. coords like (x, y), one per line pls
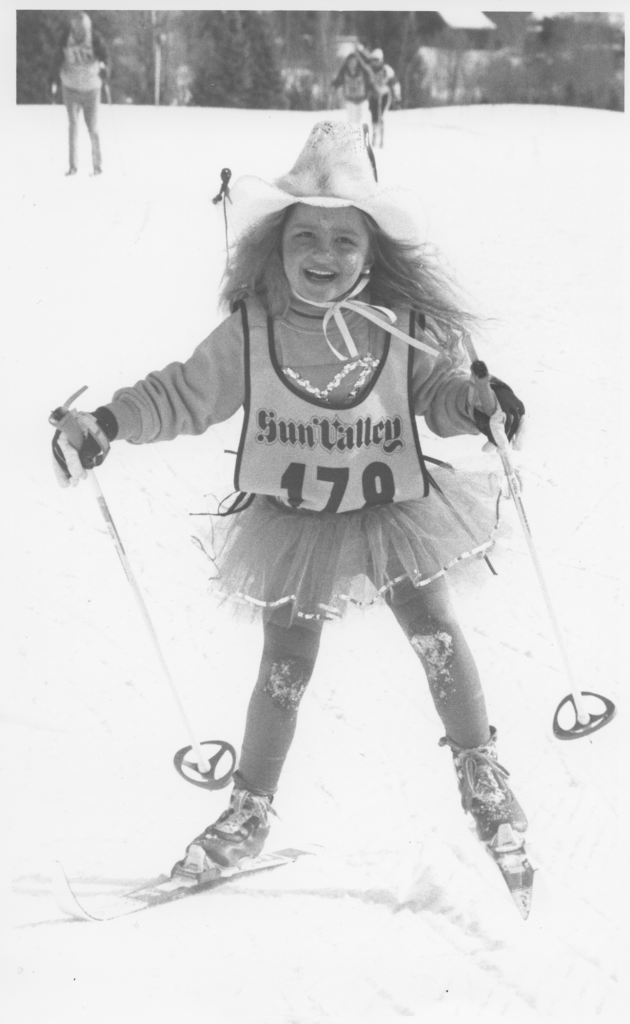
(324, 251)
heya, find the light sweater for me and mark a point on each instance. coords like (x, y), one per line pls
(189, 397)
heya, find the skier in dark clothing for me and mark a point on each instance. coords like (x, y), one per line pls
(385, 92)
(81, 69)
(355, 82)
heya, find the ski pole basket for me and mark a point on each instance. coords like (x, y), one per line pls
(190, 770)
(596, 720)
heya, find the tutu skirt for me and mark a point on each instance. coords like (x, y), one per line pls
(291, 564)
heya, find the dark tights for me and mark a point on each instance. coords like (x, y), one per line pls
(289, 654)
(287, 664)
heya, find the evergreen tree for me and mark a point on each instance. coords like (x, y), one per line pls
(133, 69)
(265, 80)
(221, 60)
(37, 38)
(38, 35)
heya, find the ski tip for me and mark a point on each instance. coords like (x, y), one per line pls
(510, 854)
(64, 896)
(59, 878)
(523, 900)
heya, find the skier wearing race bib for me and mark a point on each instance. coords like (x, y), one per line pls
(385, 91)
(343, 330)
(354, 80)
(80, 65)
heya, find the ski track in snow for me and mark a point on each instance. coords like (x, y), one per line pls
(402, 914)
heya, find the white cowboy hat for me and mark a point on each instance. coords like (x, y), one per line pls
(336, 168)
(377, 55)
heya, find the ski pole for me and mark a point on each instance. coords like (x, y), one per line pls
(585, 722)
(62, 418)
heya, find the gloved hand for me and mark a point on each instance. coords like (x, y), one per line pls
(81, 443)
(512, 407)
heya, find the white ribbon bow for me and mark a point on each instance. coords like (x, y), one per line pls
(334, 311)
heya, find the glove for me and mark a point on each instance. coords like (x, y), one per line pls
(512, 407)
(81, 443)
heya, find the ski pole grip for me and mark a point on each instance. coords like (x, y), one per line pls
(489, 404)
(485, 394)
(63, 419)
(69, 425)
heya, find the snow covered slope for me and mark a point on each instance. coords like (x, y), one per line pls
(402, 914)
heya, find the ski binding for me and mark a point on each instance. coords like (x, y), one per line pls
(165, 889)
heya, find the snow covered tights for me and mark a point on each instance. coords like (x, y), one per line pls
(289, 655)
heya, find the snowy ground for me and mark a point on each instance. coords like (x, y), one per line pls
(401, 915)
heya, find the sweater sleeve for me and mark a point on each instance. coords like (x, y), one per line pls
(443, 395)
(186, 398)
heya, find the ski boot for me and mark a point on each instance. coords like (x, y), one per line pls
(240, 832)
(500, 819)
(484, 791)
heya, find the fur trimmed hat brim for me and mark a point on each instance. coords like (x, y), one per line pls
(396, 210)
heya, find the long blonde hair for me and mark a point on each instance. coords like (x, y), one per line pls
(401, 275)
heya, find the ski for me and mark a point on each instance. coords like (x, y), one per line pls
(509, 853)
(507, 850)
(165, 889)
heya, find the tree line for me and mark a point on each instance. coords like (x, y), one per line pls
(287, 59)
(232, 56)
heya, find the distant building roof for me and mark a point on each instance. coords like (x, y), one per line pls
(613, 17)
(466, 20)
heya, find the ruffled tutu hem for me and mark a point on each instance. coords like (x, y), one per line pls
(288, 564)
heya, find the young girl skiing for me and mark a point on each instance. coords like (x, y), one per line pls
(342, 331)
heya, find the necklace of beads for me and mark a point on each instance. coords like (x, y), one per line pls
(367, 363)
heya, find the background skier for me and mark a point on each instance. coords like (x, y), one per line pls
(385, 92)
(354, 80)
(81, 68)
